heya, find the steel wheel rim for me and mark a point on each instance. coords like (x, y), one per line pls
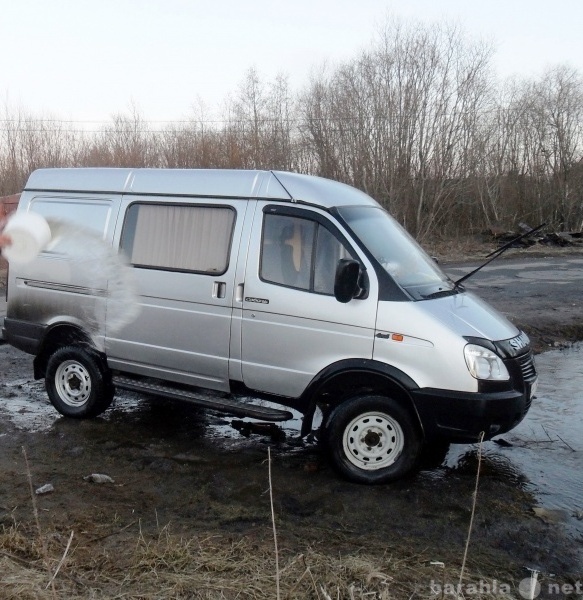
(373, 441)
(73, 383)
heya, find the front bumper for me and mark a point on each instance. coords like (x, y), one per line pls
(497, 406)
(462, 417)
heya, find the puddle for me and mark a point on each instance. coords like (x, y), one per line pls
(543, 455)
(546, 455)
(25, 403)
(182, 422)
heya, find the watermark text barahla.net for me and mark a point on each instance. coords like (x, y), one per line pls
(528, 588)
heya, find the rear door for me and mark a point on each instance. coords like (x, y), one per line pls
(183, 256)
(292, 326)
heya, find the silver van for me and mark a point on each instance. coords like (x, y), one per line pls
(289, 288)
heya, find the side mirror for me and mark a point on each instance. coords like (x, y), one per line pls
(346, 280)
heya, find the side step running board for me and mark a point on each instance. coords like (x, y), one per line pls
(227, 405)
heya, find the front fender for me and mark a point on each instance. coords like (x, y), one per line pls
(346, 377)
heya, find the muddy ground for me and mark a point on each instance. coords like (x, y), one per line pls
(185, 469)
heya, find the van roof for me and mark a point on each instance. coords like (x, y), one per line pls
(216, 183)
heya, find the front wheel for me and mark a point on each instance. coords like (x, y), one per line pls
(78, 382)
(372, 439)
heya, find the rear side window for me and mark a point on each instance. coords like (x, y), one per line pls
(91, 214)
(300, 253)
(172, 237)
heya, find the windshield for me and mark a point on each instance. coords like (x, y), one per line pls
(397, 252)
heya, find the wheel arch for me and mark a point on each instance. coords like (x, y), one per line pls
(58, 336)
(348, 378)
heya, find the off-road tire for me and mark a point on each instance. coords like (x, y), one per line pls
(372, 439)
(78, 382)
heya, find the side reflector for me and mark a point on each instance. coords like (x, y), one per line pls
(397, 337)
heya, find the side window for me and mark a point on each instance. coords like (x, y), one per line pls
(88, 213)
(329, 250)
(287, 248)
(178, 238)
(300, 253)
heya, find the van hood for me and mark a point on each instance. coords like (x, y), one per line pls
(468, 315)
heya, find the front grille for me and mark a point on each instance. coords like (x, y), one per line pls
(527, 368)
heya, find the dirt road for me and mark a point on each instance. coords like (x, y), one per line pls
(182, 474)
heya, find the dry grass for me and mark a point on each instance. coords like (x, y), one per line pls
(167, 565)
(121, 564)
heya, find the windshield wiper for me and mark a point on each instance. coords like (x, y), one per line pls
(495, 254)
(442, 293)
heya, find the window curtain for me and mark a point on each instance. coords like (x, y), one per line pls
(191, 238)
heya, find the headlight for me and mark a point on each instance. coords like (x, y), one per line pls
(485, 364)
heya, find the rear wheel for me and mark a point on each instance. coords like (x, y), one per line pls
(78, 382)
(372, 439)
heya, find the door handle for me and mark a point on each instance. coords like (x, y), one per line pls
(219, 289)
(239, 293)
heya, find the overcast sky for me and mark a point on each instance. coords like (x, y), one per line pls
(87, 60)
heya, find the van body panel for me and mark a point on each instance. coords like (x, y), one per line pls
(467, 315)
(206, 183)
(412, 340)
(434, 333)
(246, 242)
(104, 180)
(183, 327)
(289, 335)
(55, 288)
(283, 353)
(184, 340)
(322, 192)
(224, 183)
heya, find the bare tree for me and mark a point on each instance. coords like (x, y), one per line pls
(401, 121)
(417, 121)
